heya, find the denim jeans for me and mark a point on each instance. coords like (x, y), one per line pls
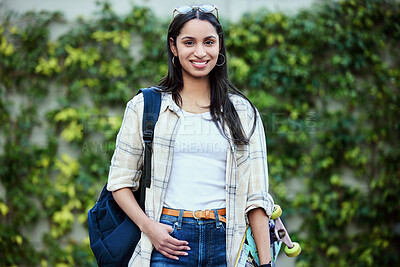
(206, 240)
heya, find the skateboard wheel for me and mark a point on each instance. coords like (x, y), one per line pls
(294, 251)
(277, 212)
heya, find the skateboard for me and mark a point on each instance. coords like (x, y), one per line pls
(248, 256)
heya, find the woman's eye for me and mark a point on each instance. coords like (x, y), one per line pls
(189, 43)
(210, 42)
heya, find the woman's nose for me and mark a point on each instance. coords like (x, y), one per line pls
(200, 52)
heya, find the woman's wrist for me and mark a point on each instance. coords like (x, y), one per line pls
(270, 264)
(145, 224)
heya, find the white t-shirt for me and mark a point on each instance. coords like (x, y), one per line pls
(197, 180)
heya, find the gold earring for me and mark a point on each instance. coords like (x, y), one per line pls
(219, 65)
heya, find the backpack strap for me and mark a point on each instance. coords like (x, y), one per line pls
(151, 110)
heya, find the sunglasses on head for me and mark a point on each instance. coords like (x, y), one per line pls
(201, 8)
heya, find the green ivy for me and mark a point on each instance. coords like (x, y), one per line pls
(325, 80)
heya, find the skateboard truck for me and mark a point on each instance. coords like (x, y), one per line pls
(279, 233)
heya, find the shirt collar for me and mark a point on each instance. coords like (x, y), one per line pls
(168, 103)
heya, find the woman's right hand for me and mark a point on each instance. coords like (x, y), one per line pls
(158, 233)
(167, 245)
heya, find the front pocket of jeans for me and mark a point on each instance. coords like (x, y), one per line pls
(170, 223)
(174, 229)
(223, 227)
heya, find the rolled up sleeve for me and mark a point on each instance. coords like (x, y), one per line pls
(258, 195)
(126, 163)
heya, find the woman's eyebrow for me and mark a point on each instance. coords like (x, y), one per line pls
(192, 38)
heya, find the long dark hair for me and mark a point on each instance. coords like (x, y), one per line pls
(221, 108)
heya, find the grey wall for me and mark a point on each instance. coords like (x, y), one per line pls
(229, 9)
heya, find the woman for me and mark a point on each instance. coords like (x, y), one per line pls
(210, 174)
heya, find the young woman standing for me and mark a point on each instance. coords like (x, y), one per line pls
(209, 167)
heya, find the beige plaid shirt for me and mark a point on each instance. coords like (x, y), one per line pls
(246, 170)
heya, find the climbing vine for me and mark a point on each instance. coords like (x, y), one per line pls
(326, 81)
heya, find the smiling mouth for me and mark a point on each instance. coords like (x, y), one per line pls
(199, 63)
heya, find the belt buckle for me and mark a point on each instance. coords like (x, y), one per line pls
(194, 215)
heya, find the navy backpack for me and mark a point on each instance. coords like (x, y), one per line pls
(113, 235)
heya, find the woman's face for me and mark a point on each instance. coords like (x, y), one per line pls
(197, 47)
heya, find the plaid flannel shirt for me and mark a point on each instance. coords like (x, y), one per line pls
(246, 170)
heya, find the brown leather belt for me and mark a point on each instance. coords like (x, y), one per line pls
(197, 214)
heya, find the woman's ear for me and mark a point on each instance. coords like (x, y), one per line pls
(172, 46)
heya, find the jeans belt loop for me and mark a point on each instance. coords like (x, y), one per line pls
(180, 218)
(217, 221)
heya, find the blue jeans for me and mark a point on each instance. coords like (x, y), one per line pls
(206, 240)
